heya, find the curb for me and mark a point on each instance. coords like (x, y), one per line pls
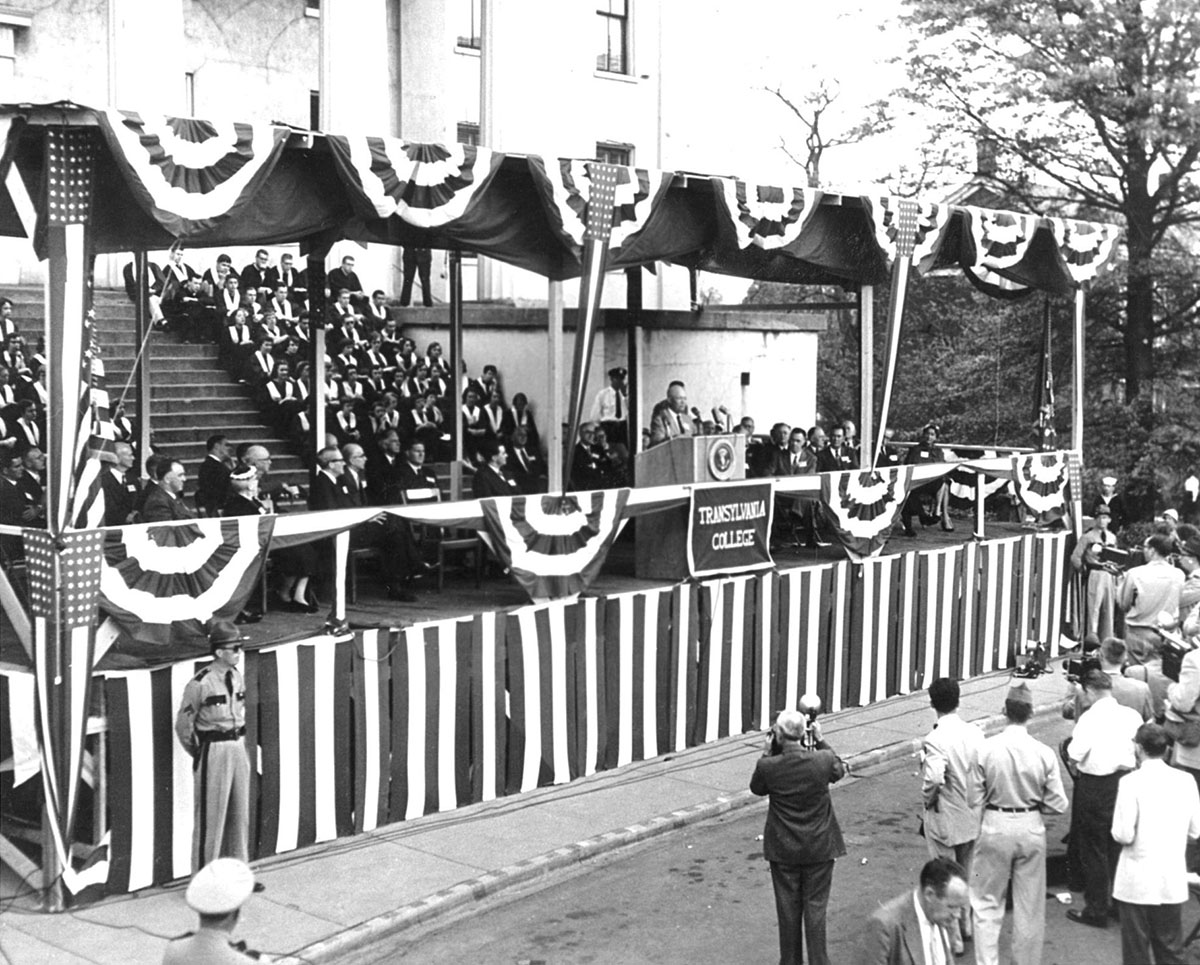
(361, 937)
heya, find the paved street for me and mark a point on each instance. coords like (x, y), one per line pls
(703, 894)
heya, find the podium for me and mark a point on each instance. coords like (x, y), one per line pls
(661, 538)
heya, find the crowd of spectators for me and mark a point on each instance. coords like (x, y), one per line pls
(377, 380)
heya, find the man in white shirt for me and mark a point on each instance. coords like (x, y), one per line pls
(1020, 782)
(918, 919)
(1157, 811)
(1146, 591)
(1100, 751)
(949, 756)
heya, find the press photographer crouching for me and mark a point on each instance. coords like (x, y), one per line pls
(1110, 658)
(802, 837)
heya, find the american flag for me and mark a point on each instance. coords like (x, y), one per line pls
(95, 436)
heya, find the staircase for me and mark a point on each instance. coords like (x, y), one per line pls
(192, 395)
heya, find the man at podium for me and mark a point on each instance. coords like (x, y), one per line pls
(671, 418)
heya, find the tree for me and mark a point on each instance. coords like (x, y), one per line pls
(811, 110)
(1094, 107)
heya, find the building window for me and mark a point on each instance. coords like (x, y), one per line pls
(312, 8)
(469, 32)
(613, 17)
(314, 110)
(8, 52)
(612, 153)
(467, 133)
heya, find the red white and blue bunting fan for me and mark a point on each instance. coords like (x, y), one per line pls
(1041, 480)
(863, 505)
(425, 185)
(1001, 238)
(764, 216)
(932, 220)
(161, 579)
(569, 186)
(554, 545)
(1086, 249)
(189, 174)
(962, 481)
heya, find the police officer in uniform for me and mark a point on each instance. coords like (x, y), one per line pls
(210, 725)
(216, 893)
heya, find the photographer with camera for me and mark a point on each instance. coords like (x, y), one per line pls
(1099, 574)
(1109, 658)
(802, 837)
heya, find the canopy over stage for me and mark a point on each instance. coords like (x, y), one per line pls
(78, 181)
(158, 181)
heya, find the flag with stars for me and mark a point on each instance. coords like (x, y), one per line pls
(64, 585)
(94, 435)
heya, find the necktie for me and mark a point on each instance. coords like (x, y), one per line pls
(620, 410)
(229, 686)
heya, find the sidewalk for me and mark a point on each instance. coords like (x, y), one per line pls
(326, 902)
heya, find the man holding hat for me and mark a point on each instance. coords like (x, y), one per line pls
(1018, 781)
(210, 725)
(1098, 574)
(802, 836)
(611, 408)
(217, 893)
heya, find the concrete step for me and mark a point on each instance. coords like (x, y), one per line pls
(202, 411)
(199, 431)
(169, 372)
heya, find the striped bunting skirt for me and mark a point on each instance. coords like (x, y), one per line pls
(390, 725)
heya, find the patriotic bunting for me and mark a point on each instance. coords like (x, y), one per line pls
(962, 481)
(425, 185)
(160, 580)
(931, 222)
(1001, 238)
(554, 545)
(567, 190)
(863, 506)
(1085, 248)
(764, 216)
(191, 174)
(1041, 480)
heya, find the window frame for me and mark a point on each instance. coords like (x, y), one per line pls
(604, 60)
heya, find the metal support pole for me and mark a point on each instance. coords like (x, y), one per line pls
(316, 330)
(554, 415)
(456, 356)
(1079, 344)
(141, 376)
(979, 499)
(634, 302)
(866, 370)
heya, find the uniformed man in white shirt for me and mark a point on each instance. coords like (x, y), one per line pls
(216, 893)
(1019, 781)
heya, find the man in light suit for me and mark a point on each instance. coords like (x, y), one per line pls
(911, 928)
(671, 418)
(1157, 811)
(952, 806)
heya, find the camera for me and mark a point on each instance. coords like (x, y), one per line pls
(1076, 670)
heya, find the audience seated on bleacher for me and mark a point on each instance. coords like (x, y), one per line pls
(517, 417)
(295, 280)
(255, 279)
(8, 324)
(493, 415)
(475, 429)
(376, 312)
(8, 392)
(436, 362)
(344, 279)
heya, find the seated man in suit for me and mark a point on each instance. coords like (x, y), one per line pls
(345, 279)
(526, 465)
(490, 478)
(911, 928)
(164, 503)
(120, 485)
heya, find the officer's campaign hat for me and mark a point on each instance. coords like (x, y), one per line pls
(222, 634)
(1103, 510)
(617, 373)
(221, 886)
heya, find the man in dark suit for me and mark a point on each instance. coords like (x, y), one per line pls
(212, 484)
(344, 279)
(490, 478)
(911, 928)
(256, 277)
(120, 485)
(164, 503)
(385, 471)
(802, 836)
(526, 466)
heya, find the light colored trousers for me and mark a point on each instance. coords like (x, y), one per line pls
(1011, 847)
